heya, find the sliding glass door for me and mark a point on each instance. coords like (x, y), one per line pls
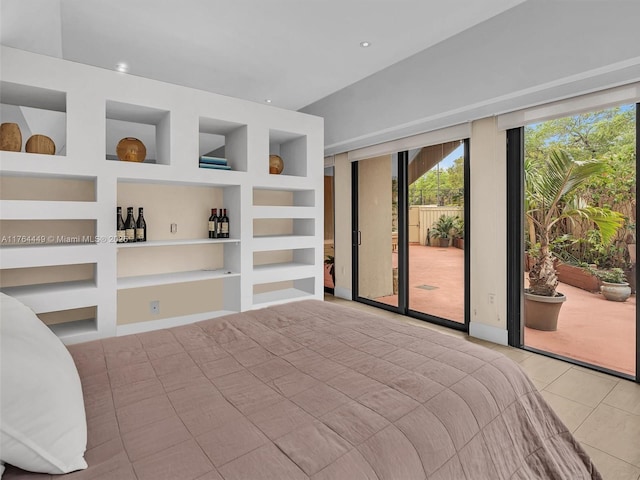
(410, 232)
(572, 185)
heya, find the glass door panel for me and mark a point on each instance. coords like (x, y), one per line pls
(585, 326)
(436, 231)
(378, 229)
(329, 250)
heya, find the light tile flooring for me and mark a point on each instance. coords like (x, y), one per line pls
(602, 411)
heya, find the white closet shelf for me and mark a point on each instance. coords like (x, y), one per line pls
(283, 212)
(279, 296)
(19, 256)
(47, 210)
(52, 297)
(278, 242)
(174, 277)
(76, 331)
(278, 272)
(169, 243)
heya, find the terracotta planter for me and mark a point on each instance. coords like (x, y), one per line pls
(577, 277)
(616, 292)
(541, 313)
(443, 242)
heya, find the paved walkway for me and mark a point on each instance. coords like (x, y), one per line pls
(590, 328)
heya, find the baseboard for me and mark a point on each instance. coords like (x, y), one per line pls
(342, 293)
(489, 333)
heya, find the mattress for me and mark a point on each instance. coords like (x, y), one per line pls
(313, 390)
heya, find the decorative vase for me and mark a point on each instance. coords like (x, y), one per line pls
(10, 137)
(616, 292)
(541, 313)
(276, 164)
(131, 149)
(40, 144)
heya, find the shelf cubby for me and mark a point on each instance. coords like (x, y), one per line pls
(292, 148)
(186, 205)
(149, 125)
(72, 325)
(37, 111)
(223, 139)
(272, 293)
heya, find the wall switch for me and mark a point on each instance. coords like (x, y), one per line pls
(154, 307)
(174, 227)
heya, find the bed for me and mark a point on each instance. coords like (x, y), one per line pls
(312, 390)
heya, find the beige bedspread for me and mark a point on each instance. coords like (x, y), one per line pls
(313, 390)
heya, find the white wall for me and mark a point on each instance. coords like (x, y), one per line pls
(488, 231)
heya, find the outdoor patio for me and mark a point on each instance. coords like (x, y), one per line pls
(590, 328)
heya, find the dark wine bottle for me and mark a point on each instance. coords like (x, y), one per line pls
(120, 226)
(213, 223)
(141, 227)
(224, 228)
(130, 226)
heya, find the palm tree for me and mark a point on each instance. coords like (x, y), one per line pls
(551, 196)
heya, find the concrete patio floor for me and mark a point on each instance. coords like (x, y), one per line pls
(591, 329)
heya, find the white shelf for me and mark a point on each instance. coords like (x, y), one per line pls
(19, 256)
(279, 272)
(283, 212)
(76, 331)
(279, 296)
(175, 277)
(278, 242)
(52, 297)
(169, 243)
(47, 210)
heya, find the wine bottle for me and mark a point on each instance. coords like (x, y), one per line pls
(213, 223)
(130, 226)
(141, 227)
(219, 225)
(224, 228)
(120, 226)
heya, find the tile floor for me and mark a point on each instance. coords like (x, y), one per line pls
(602, 411)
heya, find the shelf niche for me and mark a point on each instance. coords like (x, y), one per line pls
(222, 139)
(184, 204)
(292, 148)
(37, 111)
(149, 125)
(283, 198)
(279, 292)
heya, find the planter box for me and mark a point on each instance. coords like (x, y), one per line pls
(578, 277)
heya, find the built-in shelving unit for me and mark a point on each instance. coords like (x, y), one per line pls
(95, 287)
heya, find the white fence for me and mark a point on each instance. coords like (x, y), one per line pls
(422, 217)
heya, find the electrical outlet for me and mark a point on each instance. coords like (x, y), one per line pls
(492, 298)
(174, 228)
(154, 307)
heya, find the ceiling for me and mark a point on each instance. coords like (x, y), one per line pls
(292, 52)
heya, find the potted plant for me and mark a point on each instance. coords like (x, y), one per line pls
(443, 228)
(614, 285)
(458, 236)
(330, 263)
(551, 197)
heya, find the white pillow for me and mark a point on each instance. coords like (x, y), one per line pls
(42, 418)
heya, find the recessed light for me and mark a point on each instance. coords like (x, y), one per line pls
(122, 67)
(268, 100)
(365, 44)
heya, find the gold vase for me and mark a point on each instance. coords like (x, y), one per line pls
(131, 149)
(10, 137)
(276, 164)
